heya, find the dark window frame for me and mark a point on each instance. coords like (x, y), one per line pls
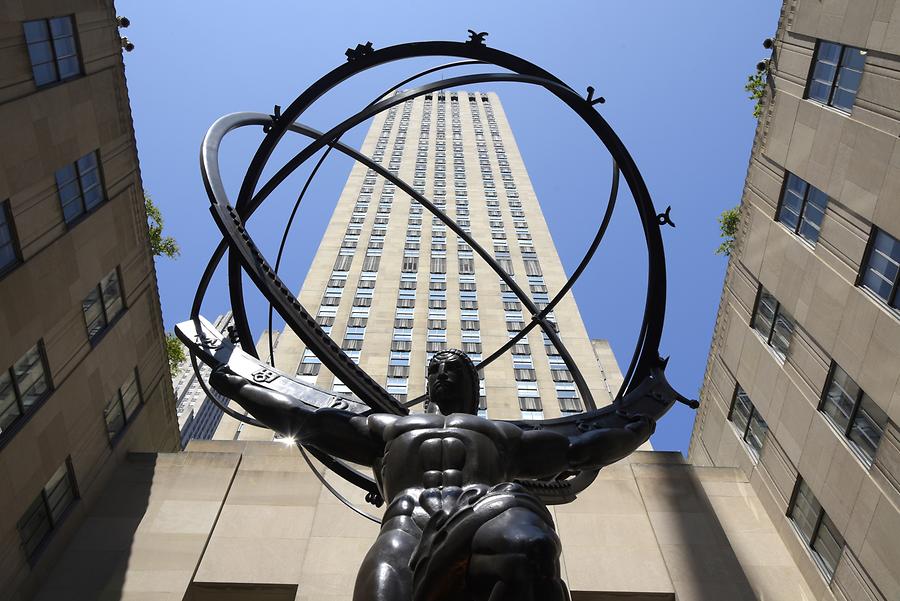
(127, 419)
(6, 212)
(55, 58)
(893, 299)
(834, 81)
(101, 182)
(775, 315)
(24, 416)
(110, 321)
(753, 412)
(41, 500)
(821, 516)
(851, 418)
(802, 214)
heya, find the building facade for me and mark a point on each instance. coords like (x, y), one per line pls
(83, 369)
(801, 390)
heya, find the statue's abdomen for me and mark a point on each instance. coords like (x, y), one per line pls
(439, 458)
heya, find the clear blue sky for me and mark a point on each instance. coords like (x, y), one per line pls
(672, 74)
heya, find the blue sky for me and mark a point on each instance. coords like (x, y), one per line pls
(672, 74)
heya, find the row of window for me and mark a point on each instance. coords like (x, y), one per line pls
(47, 510)
(852, 411)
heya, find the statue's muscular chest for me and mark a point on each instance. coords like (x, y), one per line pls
(436, 451)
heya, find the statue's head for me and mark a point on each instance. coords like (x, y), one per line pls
(453, 383)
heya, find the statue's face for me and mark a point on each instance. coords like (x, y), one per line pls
(453, 384)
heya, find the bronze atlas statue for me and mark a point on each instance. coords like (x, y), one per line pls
(466, 516)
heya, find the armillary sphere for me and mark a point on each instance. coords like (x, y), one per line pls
(644, 389)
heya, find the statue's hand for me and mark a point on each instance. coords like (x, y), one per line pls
(642, 426)
(226, 382)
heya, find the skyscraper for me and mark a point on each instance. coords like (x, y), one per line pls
(83, 370)
(394, 286)
(801, 389)
(198, 415)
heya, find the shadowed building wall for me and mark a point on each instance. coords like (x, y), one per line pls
(83, 370)
(801, 391)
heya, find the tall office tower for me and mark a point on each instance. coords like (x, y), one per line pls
(198, 415)
(393, 285)
(83, 369)
(801, 389)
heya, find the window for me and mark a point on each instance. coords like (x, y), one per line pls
(746, 419)
(529, 400)
(52, 49)
(568, 398)
(880, 270)
(342, 263)
(837, 71)
(122, 406)
(102, 305)
(802, 208)
(49, 508)
(309, 364)
(410, 264)
(854, 413)
(771, 321)
(9, 251)
(816, 528)
(23, 386)
(80, 187)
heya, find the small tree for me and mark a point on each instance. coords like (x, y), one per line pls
(175, 351)
(728, 222)
(756, 87)
(159, 244)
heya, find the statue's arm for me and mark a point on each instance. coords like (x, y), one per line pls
(336, 432)
(545, 453)
(598, 448)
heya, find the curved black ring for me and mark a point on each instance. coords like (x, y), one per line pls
(244, 253)
(646, 351)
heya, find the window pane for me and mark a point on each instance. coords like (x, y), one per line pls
(756, 434)
(112, 296)
(36, 31)
(828, 544)
(131, 395)
(784, 331)
(30, 378)
(115, 418)
(805, 512)
(7, 246)
(840, 398)
(868, 427)
(813, 212)
(882, 265)
(61, 26)
(740, 414)
(792, 201)
(64, 47)
(59, 492)
(68, 67)
(9, 407)
(94, 318)
(34, 525)
(40, 53)
(765, 314)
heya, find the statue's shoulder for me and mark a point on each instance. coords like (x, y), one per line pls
(391, 426)
(489, 427)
